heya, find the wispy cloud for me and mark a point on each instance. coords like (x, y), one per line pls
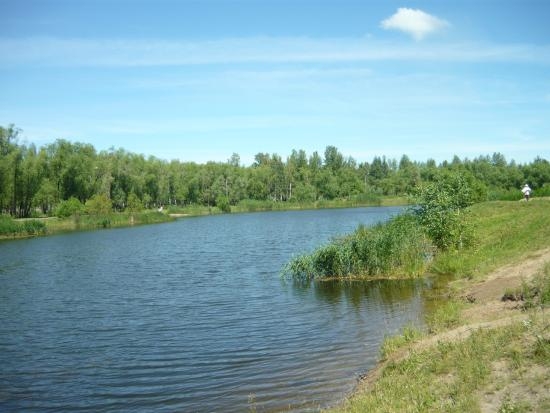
(416, 23)
(61, 52)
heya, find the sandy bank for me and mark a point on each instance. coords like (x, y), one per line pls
(484, 308)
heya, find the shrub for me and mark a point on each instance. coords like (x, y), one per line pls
(441, 209)
(70, 207)
(99, 204)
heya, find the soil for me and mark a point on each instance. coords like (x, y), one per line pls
(486, 309)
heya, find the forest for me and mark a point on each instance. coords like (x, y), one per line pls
(63, 175)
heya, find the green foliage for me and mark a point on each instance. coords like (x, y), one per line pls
(10, 227)
(70, 207)
(134, 204)
(441, 209)
(32, 178)
(99, 205)
(33, 227)
(398, 246)
(500, 194)
(222, 202)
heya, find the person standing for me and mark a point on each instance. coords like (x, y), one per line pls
(526, 192)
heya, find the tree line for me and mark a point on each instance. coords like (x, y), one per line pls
(40, 180)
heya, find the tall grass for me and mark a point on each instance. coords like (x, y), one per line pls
(396, 247)
(12, 228)
(113, 220)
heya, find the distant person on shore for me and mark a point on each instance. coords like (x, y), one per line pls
(526, 192)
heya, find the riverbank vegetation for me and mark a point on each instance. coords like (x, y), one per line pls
(486, 345)
(10, 228)
(405, 245)
(485, 349)
(36, 182)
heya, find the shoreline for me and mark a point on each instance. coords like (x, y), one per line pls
(484, 308)
(55, 225)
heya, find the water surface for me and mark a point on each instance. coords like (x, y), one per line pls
(190, 316)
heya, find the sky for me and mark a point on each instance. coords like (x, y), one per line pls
(201, 80)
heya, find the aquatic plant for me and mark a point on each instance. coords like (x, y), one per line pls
(398, 246)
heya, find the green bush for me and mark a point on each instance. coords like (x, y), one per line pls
(499, 194)
(441, 209)
(70, 207)
(98, 205)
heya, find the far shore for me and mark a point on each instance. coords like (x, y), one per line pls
(84, 222)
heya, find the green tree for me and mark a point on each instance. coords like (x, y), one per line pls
(441, 209)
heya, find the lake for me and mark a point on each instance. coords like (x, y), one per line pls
(190, 316)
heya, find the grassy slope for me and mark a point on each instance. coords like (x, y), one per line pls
(507, 366)
(506, 231)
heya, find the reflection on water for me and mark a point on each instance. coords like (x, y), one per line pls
(356, 292)
(190, 316)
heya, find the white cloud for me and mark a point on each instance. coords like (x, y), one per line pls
(416, 23)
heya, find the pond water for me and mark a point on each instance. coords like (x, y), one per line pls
(189, 316)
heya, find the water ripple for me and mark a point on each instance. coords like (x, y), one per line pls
(190, 316)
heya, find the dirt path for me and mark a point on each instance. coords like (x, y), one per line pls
(487, 310)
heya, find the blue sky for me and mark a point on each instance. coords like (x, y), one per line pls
(200, 80)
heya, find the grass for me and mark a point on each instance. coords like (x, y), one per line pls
(391, 344)
(113, 220)
(10, 228)
(452, 376)
(364, 200)
(252, 205)
(503, 369)
(443, 378)
(397, 247)
(534, 293)
(505, 231)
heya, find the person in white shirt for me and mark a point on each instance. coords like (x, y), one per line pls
(526, 192)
